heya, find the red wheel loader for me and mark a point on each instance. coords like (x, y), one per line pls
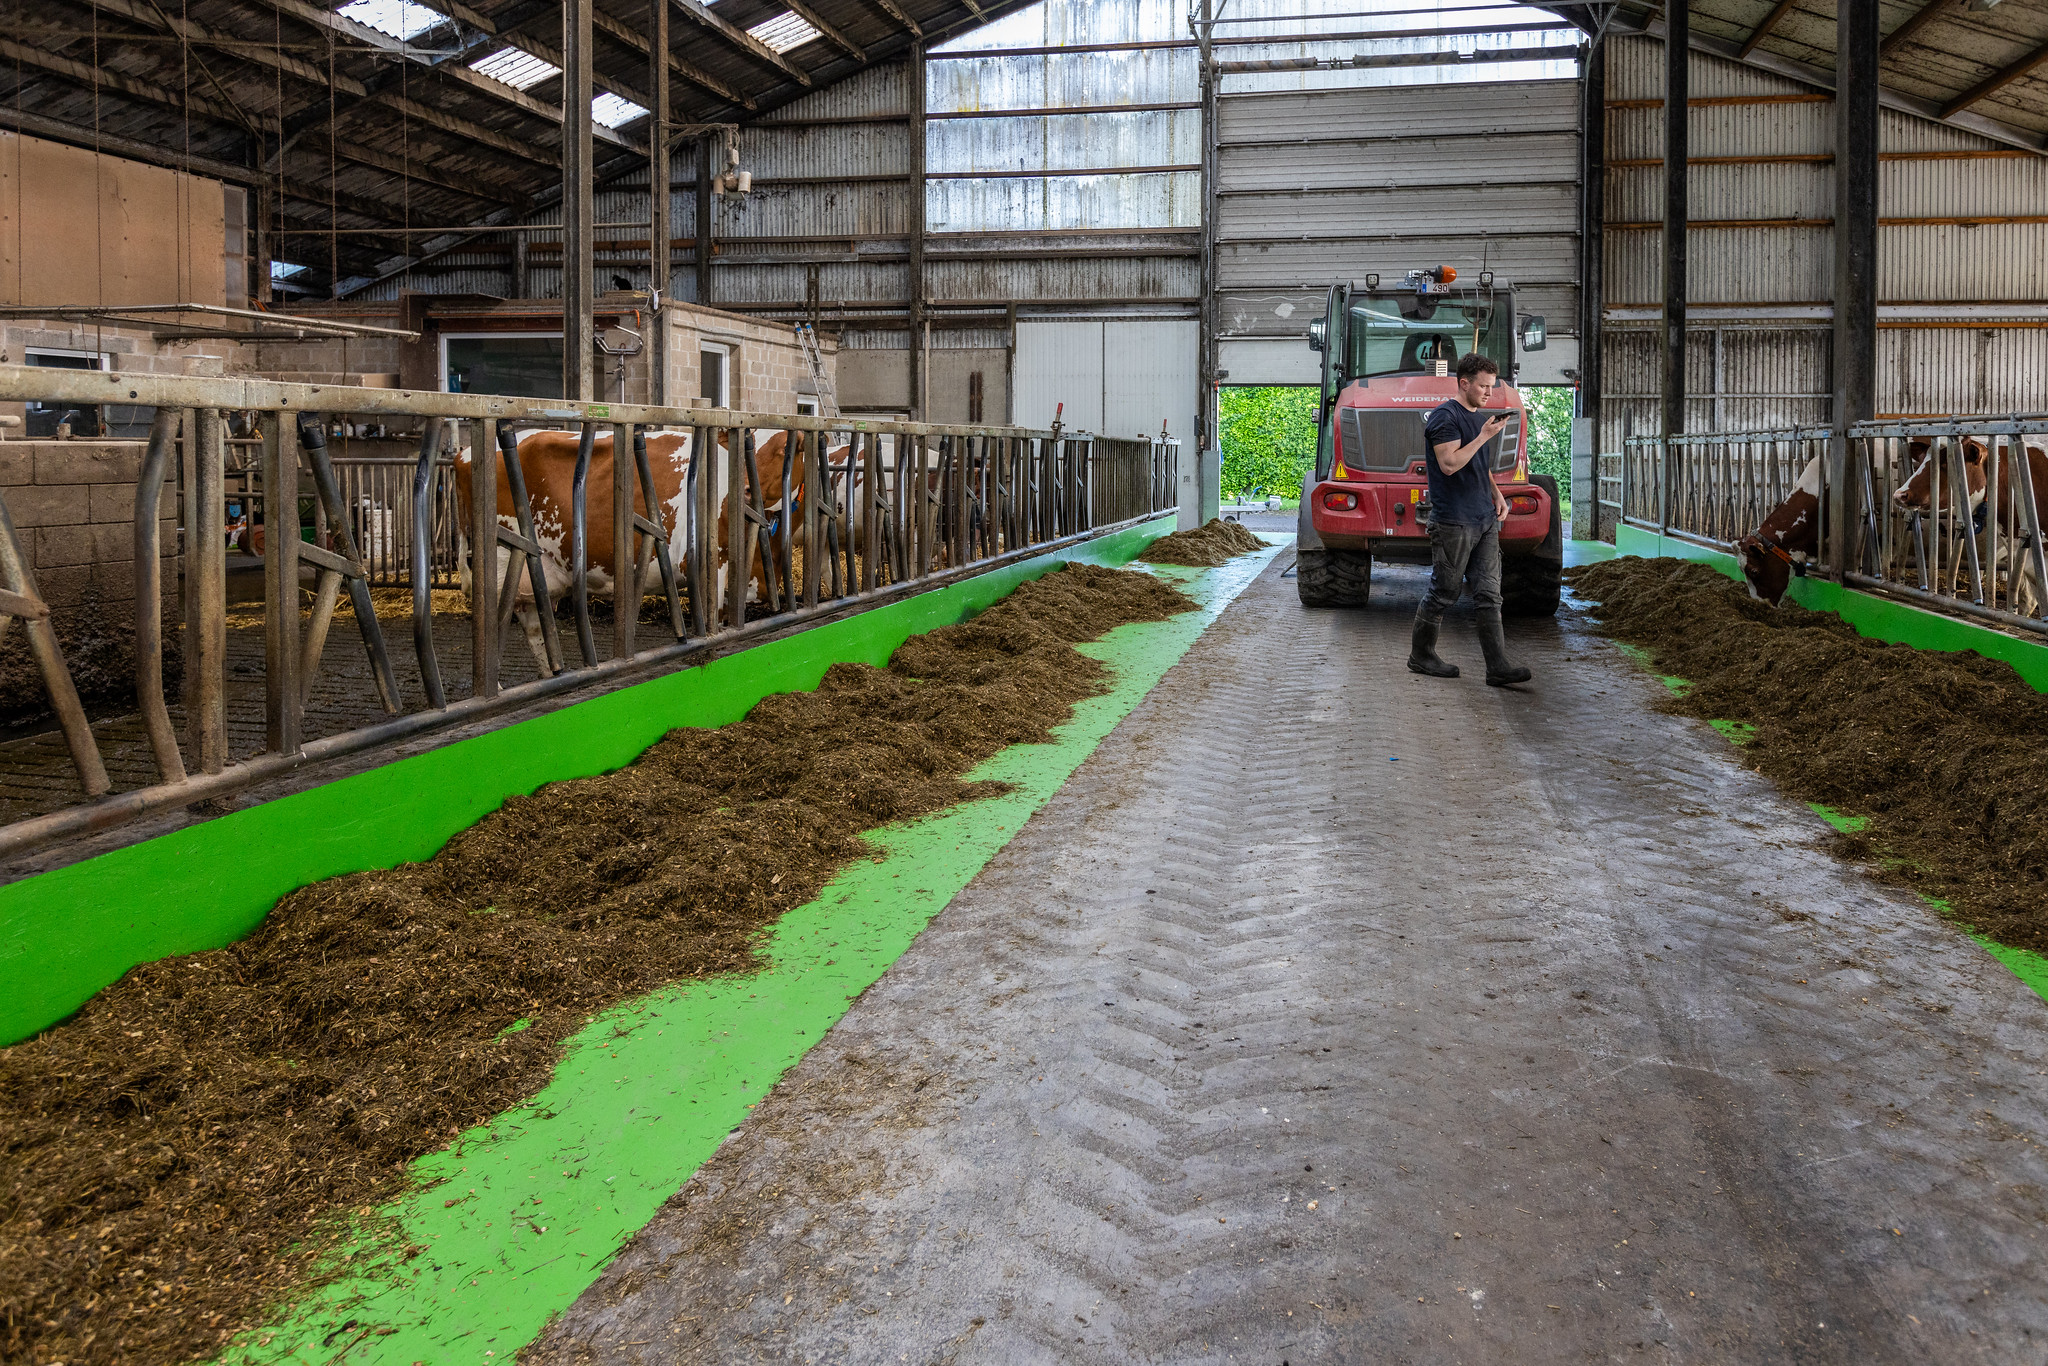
(1389, 357)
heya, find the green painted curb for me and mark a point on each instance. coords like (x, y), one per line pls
(67, 933)
(1877, 619)
(519, 1216)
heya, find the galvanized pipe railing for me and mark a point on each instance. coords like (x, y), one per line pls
(1947, 513)
(757, 522)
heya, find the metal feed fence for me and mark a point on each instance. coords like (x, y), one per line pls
(1947, 513)
(863, 511)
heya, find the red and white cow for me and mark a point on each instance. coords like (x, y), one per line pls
(1930, 485)
(1789, 536)
(547, 461)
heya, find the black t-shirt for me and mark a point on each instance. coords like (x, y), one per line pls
(1464, 498)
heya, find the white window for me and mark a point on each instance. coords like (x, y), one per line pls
(714, 385)
(807, 407)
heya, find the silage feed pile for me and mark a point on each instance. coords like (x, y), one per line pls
(1946, 754)
(180, 1153)
(1206, 546)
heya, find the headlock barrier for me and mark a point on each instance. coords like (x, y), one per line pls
(1946, 514)
(791, 518)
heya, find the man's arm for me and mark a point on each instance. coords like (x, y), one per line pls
(1500, 504)
(1451, 457)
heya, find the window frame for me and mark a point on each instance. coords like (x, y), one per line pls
(727, 354)
(442, 345)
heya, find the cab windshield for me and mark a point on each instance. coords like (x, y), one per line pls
(1401, 334)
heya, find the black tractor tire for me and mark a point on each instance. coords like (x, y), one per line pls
(1333, 578)
(1531, 585)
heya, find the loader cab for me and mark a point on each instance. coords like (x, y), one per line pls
(1390, 356)
(1419, 331)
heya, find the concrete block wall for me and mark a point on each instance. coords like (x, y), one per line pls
(73, 507)
(768, 369)
(129, 349)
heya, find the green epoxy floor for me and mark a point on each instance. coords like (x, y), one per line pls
(516, 1219)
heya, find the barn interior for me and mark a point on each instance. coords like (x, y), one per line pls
(1163, 969)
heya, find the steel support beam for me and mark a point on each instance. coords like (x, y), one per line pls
(1922, 17)
(660, 239)
(1586, 443)
(579, 379)
(1206, 446)
(1996, 81)
(1855, 324)
(1763, 30)
(707, 152)
(1677, 144)
(920, 362)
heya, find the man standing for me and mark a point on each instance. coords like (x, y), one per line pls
(1466, 511)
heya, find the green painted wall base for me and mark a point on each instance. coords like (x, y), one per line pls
(1877, 619)
(519, 1216)
(67, 933)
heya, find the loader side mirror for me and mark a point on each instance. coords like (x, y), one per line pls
(1317, 330)
(1535, 334)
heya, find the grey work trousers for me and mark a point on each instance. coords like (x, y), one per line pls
(1461, 557)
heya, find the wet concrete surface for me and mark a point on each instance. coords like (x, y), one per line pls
(1335, 1014)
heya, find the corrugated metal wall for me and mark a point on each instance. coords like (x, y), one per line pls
(1327, 185)
(1963, 303)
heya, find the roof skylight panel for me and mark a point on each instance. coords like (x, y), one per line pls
(614, 111)
(404, 20)
(520, 70)
(785, 31)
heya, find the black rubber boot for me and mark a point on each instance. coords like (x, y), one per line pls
(1422, 652)
(1499, 673)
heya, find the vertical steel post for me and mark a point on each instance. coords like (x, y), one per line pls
(626, 587)
(149, 596)
(738, 568)
(579, 371)
(283, 707)
(919, 360)
(706, 216)
(579, 543)
(206, 582)
(816, 445)
(263, 209)
(422, 560)
(483, 558)
(1586, 441)
(1677, 148)
(1207, 447)
(661, 240)
(1855, 339)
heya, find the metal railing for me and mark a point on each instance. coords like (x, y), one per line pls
(863, 511)
(1947, 513)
